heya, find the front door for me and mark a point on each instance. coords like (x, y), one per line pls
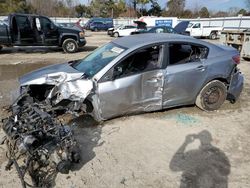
(196, 30)
(133, 85)
(49, 31)
(185, 74)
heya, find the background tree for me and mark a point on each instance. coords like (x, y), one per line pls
(155, 9)
(242, 12)
(175, 7)
(203, 13)
(83, 11)
(10, 6)
(187, 14)
(220, 14)
(233, 11)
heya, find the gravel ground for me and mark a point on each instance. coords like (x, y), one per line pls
(141, 150)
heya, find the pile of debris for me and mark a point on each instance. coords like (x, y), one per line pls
(39, 145)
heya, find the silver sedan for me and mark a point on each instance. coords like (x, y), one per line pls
(140, 73)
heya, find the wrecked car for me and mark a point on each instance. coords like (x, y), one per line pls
(133, 75)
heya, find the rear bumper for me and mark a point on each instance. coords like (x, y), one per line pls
(236, 86)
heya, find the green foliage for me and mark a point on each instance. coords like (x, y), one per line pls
(175, 7)
(107, 8)
(155, 9)
(83, 10)
(18, 6)
(203, 13)
(242, 12)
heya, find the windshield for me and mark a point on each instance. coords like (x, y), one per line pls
(98, 59)
(190, 25)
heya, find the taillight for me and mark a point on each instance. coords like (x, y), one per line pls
(236, 59)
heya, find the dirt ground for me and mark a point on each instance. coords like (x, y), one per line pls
(140, 150)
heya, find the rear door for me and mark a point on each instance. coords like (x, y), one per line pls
(24, 31)
(4, 36)
(135, 84)
(185, 74)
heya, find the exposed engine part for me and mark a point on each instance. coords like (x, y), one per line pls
(38, 144)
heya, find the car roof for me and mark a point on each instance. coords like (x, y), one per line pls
(137, 41)
(150, 38)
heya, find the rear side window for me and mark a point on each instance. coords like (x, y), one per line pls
(45, 23)
(23, 22)
(184, 53)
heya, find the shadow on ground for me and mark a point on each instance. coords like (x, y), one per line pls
(41, 49)
(88, 134)
(205, 167)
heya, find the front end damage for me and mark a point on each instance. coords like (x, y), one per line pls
(59, 91)
(39, 145)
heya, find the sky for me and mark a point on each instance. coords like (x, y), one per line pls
(210, 4)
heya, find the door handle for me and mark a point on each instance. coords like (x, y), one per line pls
(152, 80)
(201, 68)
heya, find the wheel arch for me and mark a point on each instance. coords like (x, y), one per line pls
(222, 79)
(65, 36)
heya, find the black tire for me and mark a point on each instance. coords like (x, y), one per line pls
(70, 46)
(1, 47)
(246, 58)
(213, 35)
(116, 35)
(212, 96)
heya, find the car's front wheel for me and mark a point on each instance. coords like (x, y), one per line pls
(116, 35)
(70, 46)
(212, 96)
(1, 47)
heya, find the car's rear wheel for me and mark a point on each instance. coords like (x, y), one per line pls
(212, 96)
(116, 35)
(213, 35)
(70, 46)
(1, 47)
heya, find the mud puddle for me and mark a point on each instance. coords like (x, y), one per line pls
(14, 71)
(9, 75)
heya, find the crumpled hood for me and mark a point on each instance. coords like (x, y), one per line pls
(68, 82)
(53, 75)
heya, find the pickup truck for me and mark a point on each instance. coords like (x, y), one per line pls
(36, 30)
(197, 29)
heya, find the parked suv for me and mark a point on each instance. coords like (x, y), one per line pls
(36, 30)
(97, 26)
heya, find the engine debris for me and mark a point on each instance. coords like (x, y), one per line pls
(39, 145)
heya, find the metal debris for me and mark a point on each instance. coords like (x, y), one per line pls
(39, 146)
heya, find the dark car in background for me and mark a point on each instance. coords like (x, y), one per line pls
(100, 26)
(180, 28)
(101, 22)
(36, 30)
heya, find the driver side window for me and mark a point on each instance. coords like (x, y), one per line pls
(45, 24)
(197, 25)
(146, 59)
